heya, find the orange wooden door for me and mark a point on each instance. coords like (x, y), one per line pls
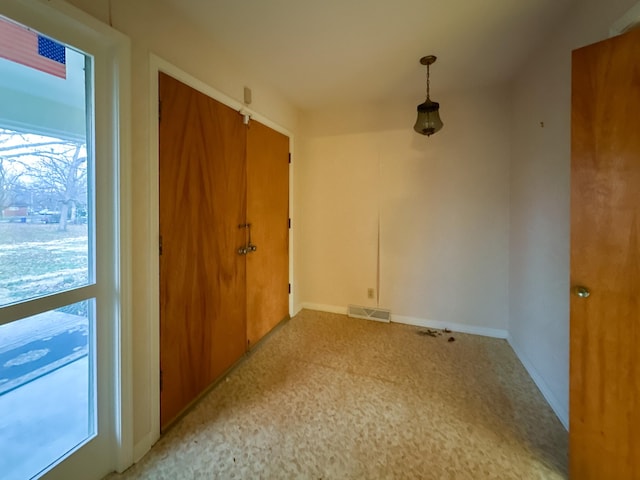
(202, 277)
(605, 259)
(268, 214)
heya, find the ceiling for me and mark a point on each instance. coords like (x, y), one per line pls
(336, 52)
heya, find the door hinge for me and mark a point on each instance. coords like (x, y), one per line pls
(160, 244)
(161, 385)
(289, 288)
(289, 222)
(159, 110)
(289, 157)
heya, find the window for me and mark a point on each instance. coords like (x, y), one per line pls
(59, 246)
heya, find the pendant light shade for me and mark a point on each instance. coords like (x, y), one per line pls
(428, 121)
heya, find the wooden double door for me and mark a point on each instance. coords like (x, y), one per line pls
(224, 195)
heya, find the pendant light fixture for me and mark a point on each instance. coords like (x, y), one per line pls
(428, 121)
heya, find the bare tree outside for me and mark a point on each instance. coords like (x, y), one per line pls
(8, 178)
(64, 174)
(42, 174)
(43, 230)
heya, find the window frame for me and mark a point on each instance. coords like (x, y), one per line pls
(111, 52)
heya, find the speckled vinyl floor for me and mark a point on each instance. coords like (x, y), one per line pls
(332, 397)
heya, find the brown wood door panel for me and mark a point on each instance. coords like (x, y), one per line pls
(268, 213)
(202, 278)
(605, 258)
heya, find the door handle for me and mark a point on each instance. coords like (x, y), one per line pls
(245, 248)
(249, 247)
(582, 292)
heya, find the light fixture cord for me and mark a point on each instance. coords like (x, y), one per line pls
(428, 81)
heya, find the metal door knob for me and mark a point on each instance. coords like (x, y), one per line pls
(582, 292)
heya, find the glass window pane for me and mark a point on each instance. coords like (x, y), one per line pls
(47, 388)
(47, 361)
(45, 166)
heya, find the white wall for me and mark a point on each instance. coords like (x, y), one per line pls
(441, 203)
(155, 29)
(540, 171)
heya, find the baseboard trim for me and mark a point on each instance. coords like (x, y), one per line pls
(560, 411)
(141, 448)
(296, 310)
(454, 327)
(419, 322)
(325, 308)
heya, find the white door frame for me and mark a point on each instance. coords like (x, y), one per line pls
(627, 22)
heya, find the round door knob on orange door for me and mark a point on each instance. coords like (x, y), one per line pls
(582, 292)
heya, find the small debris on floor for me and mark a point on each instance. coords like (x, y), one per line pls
(431, 333)
(436, 333)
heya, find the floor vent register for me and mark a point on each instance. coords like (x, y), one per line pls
(368, 313)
